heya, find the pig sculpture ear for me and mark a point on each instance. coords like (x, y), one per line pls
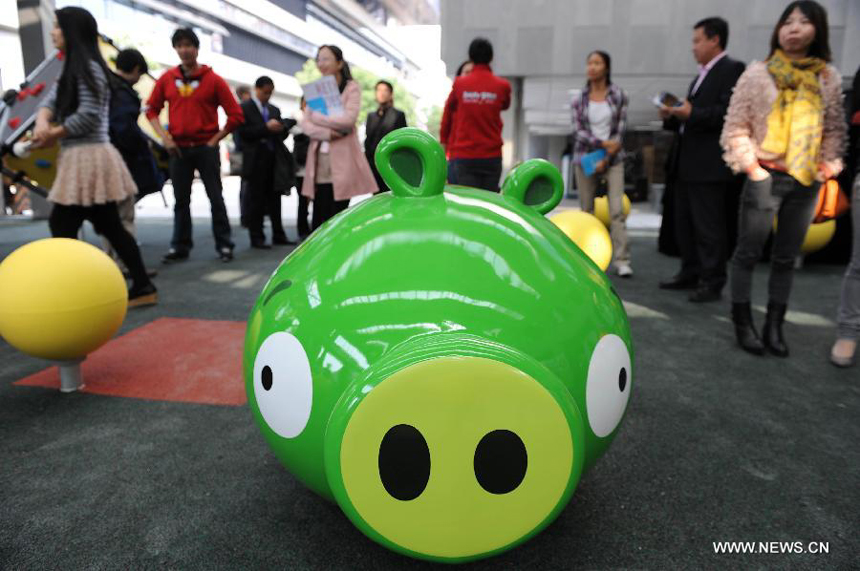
(412, 163)
(536, 183)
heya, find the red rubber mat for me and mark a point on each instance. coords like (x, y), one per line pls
(178, 360)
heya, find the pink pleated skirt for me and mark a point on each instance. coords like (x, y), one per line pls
(91, 174)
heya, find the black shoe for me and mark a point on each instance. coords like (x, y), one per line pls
(704, 295)
(174, 255)
(150, 273)
(260, 245)
(745, 330)
(225, 254)
(680, 282)
(140, 296)
(772, 332)
(282, 241)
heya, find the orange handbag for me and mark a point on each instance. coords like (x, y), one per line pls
(832, 202)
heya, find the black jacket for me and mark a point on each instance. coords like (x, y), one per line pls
(254, 134)
(696, 154)
(127, 136)
(378, 127)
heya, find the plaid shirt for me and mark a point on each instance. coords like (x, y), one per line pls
(584, 141)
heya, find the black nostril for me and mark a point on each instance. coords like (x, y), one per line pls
(622, 379)
(404, 462)
(267, 377)
(500, 462)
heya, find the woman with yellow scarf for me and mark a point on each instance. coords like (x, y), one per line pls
(785, 129)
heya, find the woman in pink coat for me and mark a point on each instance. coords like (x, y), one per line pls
(336, 168)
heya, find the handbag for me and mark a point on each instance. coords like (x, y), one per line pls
(832, 202)
(285, 170)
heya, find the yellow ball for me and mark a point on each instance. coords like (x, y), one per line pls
(818, 235)
(60, 299)
(601, 208)
(588, 233)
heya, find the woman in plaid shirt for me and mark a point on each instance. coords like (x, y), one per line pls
(599, 122)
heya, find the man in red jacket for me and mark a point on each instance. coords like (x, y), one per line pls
(474, 111)
(193, 93)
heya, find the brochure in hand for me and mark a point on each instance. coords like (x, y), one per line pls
(589, 162)
(323, 96)
(666, 98)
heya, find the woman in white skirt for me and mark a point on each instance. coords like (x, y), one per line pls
(91, 176)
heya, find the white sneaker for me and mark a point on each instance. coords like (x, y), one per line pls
(624, 270)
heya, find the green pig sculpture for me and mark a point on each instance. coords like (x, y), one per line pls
(444, 363)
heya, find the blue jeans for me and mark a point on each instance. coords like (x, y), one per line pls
(848, 316)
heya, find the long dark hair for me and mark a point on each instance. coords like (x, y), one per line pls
(816, 13)
(607, 61)
(81, 34)
(462, 65)
(345, 74)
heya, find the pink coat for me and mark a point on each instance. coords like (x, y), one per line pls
(350, 172)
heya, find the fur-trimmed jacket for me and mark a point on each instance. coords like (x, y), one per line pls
(745, 127)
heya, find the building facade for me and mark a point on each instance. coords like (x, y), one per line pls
(542, 45)
(243, 39)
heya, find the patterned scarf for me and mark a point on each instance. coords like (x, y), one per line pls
(794, 126)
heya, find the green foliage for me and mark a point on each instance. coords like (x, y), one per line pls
(403, 100)
(434, 121)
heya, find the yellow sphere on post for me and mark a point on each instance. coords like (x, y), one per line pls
(817, 236)
(588, 233)
(601, 208)
(60, 299)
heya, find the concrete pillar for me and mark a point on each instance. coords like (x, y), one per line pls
(36, 20)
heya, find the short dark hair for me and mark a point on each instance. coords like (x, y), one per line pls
(481, 51)
(387, 83)
(816, 13)
(715, 26)
(242, 90)
(128, 59)
(185, 34)
(264, 81)
(462, 66)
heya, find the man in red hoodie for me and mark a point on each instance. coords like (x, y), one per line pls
(193, 93)
(474, 111)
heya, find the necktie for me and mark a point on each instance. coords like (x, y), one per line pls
(265, 111)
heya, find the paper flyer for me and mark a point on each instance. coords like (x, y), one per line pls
(323, 96)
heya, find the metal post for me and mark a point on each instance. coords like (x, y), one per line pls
(71, 377)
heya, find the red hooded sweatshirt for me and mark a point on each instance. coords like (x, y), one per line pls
(193, 105)
(472, 121)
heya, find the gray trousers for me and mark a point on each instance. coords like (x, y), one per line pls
(848, 316)
(587, 187)
(794, 204)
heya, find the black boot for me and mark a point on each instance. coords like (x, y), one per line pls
(772, 332)
(744, 329)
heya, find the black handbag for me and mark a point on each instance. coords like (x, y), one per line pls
(285, 170)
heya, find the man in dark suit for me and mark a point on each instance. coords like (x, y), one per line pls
(386, 119)
(262, 136)
(703, 183)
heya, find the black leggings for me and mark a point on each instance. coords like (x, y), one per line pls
(66, 220)
(325, 206)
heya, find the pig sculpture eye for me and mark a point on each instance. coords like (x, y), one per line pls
(283, 384)
(608, 388)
